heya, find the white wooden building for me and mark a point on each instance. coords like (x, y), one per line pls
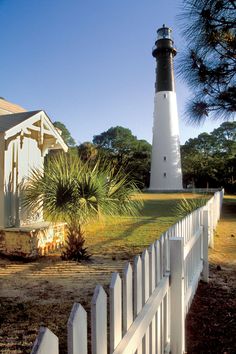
(25, 139)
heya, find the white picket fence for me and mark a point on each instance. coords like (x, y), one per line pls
(149, 303)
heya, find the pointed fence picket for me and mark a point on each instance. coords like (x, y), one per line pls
(99, 321)
(115, 311)
(152, 276)
(127, 297)
(159, 310)
(138, 294)
(147, 312)
(146, 292)
(77, 331)
(46, 342)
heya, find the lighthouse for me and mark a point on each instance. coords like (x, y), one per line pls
(166, 173)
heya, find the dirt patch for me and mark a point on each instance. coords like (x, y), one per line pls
(42, 293)
(211, 322)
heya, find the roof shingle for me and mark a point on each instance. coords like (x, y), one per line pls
(9, 121)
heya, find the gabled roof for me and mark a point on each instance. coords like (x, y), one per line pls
(7, 107)
(9, 121)
(36, 125)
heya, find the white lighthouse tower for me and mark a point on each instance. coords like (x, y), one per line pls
(166, 171)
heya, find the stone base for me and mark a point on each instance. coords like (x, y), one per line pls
(33, 240)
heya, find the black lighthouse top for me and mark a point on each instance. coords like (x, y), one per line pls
(164, 52)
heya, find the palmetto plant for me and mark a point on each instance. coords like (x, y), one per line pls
(187, 206)
(72, 191)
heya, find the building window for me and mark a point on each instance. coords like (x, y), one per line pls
(164, 158)
(164, 174)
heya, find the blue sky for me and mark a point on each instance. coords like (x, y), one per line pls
(88, 63)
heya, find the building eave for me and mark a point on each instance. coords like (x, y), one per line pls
(38, 127)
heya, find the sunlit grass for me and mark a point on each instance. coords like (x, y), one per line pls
(133, 234)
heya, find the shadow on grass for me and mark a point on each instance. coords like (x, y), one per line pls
(229, 209)
(152, 211)
(126, 233)
(159, 208)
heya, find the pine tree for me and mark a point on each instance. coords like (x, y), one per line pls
(209, 63)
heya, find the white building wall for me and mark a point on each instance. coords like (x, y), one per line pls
(20, 159)
(166, 173)
(30, 157)
(2, 143)
(10, 184)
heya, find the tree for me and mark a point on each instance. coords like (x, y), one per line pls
(209, 159)
(123, 149)
(69, 190)
(225, 136)
(66, 135)
(87, 151)
(139, 164)
(209, 64)
(118, 141)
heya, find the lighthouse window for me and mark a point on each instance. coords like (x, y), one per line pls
(164, 174)
(163, 32)
(164, 158)
(165, 95)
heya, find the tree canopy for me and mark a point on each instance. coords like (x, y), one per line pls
(210, 159)
(66, 135)
(117, 140)
(209, 63)
(126, 151)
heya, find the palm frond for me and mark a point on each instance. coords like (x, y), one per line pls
(70, 190)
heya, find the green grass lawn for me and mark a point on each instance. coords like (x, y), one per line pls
(132, 234)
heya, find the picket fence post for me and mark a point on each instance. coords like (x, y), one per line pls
(205, 271)
(127, 297)
(46, 342)
(177, 327)
(159, 311)
(138, 292)
(152, 275)
(146, 293)
(99, 321)
(211, 225)
(77, 330)
(115, 311)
